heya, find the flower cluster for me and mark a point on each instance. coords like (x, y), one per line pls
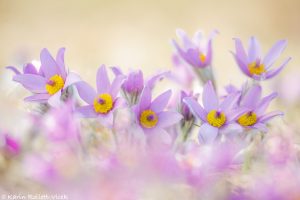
(119, 130)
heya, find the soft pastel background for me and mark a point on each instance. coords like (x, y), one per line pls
(134, 34)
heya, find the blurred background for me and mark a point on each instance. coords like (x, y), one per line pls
(135, 34)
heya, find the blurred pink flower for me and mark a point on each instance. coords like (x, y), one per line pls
(9, 144)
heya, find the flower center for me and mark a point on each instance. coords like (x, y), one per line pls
(216, 118)
(247, 119)
(256, 68)
(54, 84)
(103, 103)
(148, 119)
(202, 57)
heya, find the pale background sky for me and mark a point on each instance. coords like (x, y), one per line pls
(135, 34)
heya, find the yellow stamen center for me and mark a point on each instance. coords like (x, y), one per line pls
(247, 119)
(148, 119)
(103, 103)
(54, 84)
(202, 57)
(215, 118)
(256, 68)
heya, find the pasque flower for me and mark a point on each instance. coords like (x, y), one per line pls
(196, 51)
(28, 68)
(186, 123)
(184, 109)
(49, 83)
(151, 116)
(102, 103)
(134, 83)
(255, 117)
(215, 116)
(253, 64)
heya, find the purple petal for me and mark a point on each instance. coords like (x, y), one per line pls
(136, 110)
(41, 98)
(187, 43)
(60, 62)
(71, 79)
(276, 71)
(198, 37)
(235, 113)
(145, 99)
(54, 100)
(208, 53)
(86, 92)
(168, 118)
(158, 135)
(119, 103)
(270, 115)
(231, 89)
(254, 51)
(158, 77)
(213, 34)
(243, 66)
(116, 85)
(12, 144)
(260, 126)
(87, 111)
(163, 135)
(103, 83)
(160, 102)
(274, 52)
(251, 98)
(29, 69)
(117, 71)
(209, 97)
(240, 51)
(13, 69)
(134, 82)
(207, 133)
(48, 64)
(264, 103)
(230, 101)
(195, 108)
(191, 56)
(32, 82)
(231, 130)
(260, 77)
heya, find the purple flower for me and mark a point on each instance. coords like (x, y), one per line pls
(49, 83)
(197, 51)
(254, 64)
(134, 83)
(214, 115)
(28, 68)
(9, 144)
(184, 109)
(229, 89)
(255, 117)
(102, 103)
(152, 118)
